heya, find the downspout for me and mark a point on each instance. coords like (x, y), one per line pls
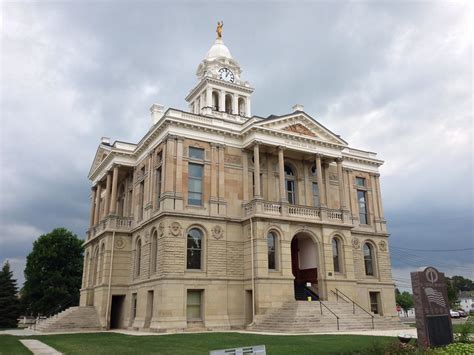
(253, 273)
(107, 323)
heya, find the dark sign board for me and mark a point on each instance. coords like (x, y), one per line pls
(430, 296)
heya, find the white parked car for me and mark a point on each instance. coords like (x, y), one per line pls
(454, 314)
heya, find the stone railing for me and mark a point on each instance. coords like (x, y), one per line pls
(334, 214)
(304, 211)
(249, 208)
(271, 207)
(111, 223)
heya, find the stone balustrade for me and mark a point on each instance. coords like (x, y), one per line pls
(304, 211)
(111, 223)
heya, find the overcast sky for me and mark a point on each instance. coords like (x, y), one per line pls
(390, 77)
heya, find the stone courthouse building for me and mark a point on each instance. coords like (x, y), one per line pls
(217, 218)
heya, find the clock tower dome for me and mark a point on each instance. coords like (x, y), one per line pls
(220, 90)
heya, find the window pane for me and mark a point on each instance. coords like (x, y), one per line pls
(368, 260)
(195, 199)
(196, 153)
(195, 185)
(315, 194)
(335, 255)
(271, 244)
(195, 170)
(193, 306)
(360, 181)
(194, 243)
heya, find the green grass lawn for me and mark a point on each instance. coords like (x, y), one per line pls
(111, 343)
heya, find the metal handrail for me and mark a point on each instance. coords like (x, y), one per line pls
(354, 303)
(321, 304)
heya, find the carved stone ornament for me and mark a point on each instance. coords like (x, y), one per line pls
(175, 229)
(119, 243)
(217, 232)
(161, 229)
(299, 128)
(382, 246)
(355, 243)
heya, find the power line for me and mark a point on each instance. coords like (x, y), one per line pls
(434, 250)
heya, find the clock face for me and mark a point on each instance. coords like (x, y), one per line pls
(226, 75)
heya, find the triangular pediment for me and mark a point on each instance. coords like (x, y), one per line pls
(101, 153)
(303, 125)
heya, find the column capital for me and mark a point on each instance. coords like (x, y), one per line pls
(349, 170)
(339, 160)
(180, 138)
(318, 156)
(281, 148)
(375, 174)
(214, 145)
(94, 187)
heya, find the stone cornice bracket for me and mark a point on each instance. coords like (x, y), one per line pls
(180, 138)
(375, 174)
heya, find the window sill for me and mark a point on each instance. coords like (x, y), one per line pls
(197, 207)
(195, 270)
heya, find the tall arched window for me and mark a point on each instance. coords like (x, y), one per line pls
(95, 273)
(194, 249)
(138, 257)
(215, 101)
(228, 103)
(336, 254)
(290, 183)
(272, 247)
(241, 106)
(369, 259)
(154, 252)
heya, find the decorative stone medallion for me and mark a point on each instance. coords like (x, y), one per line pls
(382, 246)
(217, 232)
(119, 243)
(355, 243)
(175, 229)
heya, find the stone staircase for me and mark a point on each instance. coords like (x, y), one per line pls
(70, 320)
(306, 317)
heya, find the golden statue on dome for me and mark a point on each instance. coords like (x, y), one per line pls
(220, 24)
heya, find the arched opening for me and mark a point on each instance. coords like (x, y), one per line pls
(241, 106)
(228, 103)
(304, 265)
(154, 252)
(369, 259)
(215, 100)
(336, 255)
(138, 257)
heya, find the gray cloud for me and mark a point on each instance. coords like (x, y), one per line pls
(395, 78)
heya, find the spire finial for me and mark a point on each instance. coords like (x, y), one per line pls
(220, 24)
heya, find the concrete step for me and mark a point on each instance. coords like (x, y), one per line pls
(73, 318)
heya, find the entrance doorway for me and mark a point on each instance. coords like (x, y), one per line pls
(116, 312)
(304, 265)
(248, 307)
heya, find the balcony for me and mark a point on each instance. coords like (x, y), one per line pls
(111, 223)
(264, 208)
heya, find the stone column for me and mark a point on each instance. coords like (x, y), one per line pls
(91, 223)
(179, 174)
(256, 170)
(319, 176)
(208, 97)
(375, 202)
(326, 181)
(214, 158)
(163, 168)
(107, 194)
(308, 188)
(235, 104)
(222, 100)
(281, 174)
(342, 197)
(169, 180)
(97, 204)
(379, 196)
(113, 197)
(245, 176)
(270, 179)
(222, 203)
(247, 107)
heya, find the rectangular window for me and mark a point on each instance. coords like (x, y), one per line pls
(141, 200)
(193, 305)
(290, 188)
(196, 153)
(360, 181)
(374, 304)
(315, 195)
(362, 207)
(158, 185)
(195, 174)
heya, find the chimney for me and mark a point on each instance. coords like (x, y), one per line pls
(105, 140)
(156, 111)
(298, 107)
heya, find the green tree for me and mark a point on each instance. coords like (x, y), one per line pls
(53, 273)
(9, 302)
(452, 294)
(462, 284)
(404, 300)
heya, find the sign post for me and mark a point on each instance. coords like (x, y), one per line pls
(430, 296)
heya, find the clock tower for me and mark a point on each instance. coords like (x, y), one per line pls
(220, 90)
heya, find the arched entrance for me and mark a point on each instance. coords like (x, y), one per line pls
(304, 265)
